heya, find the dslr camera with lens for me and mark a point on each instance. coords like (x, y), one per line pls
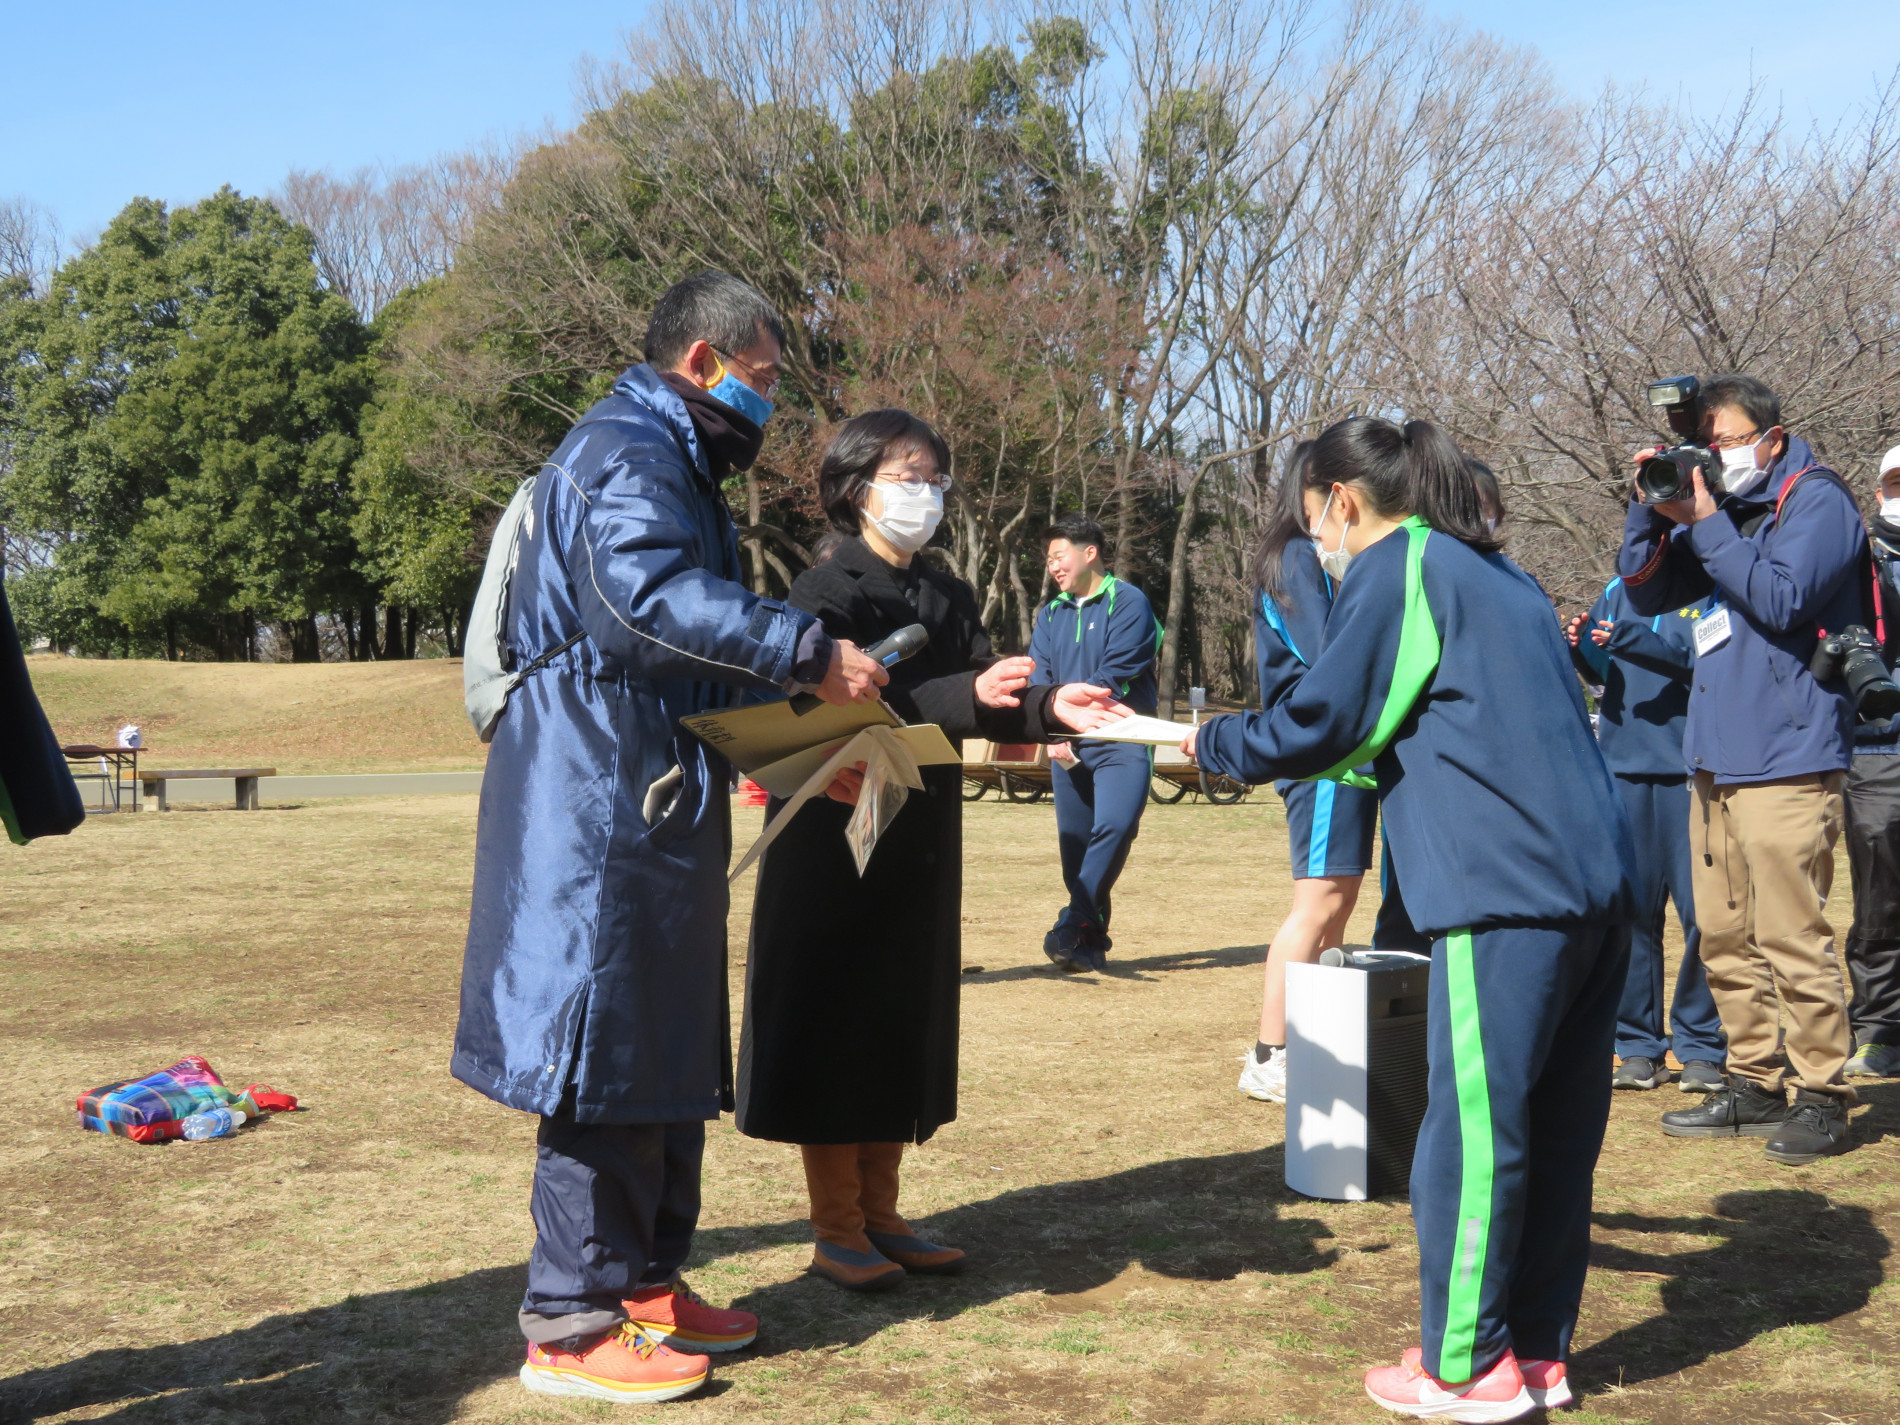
(1854, 654)
(1669, 474)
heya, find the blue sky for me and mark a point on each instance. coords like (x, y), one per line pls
(172, 100)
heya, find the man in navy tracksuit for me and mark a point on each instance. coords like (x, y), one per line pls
(1643, 665)
(1097, 630)
(1779, 552)
(1443, 664)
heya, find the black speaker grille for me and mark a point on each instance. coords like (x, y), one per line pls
(1395, 1100)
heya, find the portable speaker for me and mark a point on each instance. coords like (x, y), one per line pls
(1355, 1073)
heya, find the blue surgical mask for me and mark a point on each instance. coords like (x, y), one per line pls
(741, 397)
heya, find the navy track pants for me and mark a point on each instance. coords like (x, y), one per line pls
(1659, 825)
(1518, 1035)
(1099, 801)
(614, 1205)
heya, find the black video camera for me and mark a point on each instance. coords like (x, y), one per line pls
(1669, 474)
(1854, 655)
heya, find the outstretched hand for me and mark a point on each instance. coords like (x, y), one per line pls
(998, 684)
(1082, 707)
(1187, 744)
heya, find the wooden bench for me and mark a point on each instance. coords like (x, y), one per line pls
(154, 781)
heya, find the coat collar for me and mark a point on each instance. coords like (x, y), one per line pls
(643, 384)
(879, 583)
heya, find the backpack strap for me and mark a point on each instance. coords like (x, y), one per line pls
(1872, 602)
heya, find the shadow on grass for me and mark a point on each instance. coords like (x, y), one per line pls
(1781, 1257)
(1148, 967)
(412, 1355)
(1200, 1219)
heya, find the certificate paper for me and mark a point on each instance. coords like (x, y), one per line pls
(1156, 731)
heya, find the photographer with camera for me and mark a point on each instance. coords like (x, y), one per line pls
(1749, 517)
(1873, 827)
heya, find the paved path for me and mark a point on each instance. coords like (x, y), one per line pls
(375, 784)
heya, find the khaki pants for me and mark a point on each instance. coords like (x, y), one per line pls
(1762, 865)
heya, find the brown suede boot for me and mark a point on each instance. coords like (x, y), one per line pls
(883, 1228)
(841, 1251)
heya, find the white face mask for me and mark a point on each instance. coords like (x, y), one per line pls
(1332, 562)
(1890, 509)
(910, 516)
(1739, 474)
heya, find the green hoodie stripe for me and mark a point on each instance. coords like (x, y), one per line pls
(1477, 1166)
(10, 818)
(1412, 670)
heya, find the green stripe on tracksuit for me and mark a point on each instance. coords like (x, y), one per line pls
(1476, 1166)
(1519, 1032)
(1411, 672)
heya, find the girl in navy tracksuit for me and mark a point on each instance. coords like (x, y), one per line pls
(1329, 826)
(1443, 664)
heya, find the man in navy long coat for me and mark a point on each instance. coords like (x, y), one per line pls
(594, 982)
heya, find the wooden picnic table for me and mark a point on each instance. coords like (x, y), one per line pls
(155, 779)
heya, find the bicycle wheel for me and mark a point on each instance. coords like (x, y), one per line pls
(973, 790)
(1220, 791)
(1021, 791)
(1175, 791)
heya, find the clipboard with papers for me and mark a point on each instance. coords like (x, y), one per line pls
(795, 756)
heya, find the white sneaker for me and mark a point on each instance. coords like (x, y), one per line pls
(1265, 1081)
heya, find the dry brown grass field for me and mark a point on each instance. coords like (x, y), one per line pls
(1136, 1255)
(301, 718)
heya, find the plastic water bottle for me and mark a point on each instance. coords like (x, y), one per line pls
(216, 1122)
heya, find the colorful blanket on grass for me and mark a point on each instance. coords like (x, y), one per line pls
(154, 1108)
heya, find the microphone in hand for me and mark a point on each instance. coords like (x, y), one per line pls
(887, 651)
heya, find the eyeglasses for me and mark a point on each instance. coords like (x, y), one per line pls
(916, 484)
(1734, 442)
(757, 373)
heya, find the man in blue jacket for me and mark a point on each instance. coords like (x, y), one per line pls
(1643, 665)
(1099, 630)
(594, 980)
(1777, 553)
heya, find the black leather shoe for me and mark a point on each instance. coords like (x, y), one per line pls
(1815, 1127)
(1744, 1111)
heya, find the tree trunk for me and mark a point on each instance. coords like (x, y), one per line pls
(414, 626)
(366, 633)
(754, 548)
(1178, 593)
(171, 638)
(392, 631)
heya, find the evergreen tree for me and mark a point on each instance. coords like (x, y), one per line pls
(183, 406)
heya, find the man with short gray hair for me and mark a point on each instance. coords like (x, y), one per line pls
(594, 980)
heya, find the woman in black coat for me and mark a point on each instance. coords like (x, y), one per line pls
(849, 1047)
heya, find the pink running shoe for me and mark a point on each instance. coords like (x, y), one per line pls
(1409, 1389)
(1548, 1384)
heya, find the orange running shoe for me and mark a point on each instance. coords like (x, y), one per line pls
(678, 1316)
(625, 1366)
(1492, 1398)
(1548, 1382)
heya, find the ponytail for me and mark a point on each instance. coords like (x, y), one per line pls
(1412, 470)
(1286, 524)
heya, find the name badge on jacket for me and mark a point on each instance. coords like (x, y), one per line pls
(1711, 632)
